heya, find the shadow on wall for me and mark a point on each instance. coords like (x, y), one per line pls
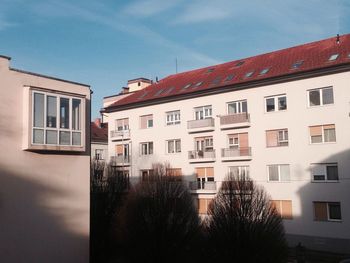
(339, 239)
(30, 230)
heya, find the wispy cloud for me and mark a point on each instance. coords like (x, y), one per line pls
(147, 8)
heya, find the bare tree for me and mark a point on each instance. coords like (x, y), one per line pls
(159, 221)
(243, 226)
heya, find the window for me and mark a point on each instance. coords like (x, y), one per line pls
(235, 107)
(198, 84)
(143, 95)
(297, 64)
(278, 173)
(204, 143)
(173, 117)
(216, 80)
(327, 211)
(276, 138)
(239, 171)
(174, 146)
(276, 103)
(122, 124)
(146, 121)
(240, 63)
(174, 172)
(322, 133)
(146, 148)
(146, 174)
(122, 150)
(56, 119)
(204, 175)
(187, 86)
(229, 77)
(333, 57)
(158, 92)
(249, 74)
(323, 172)
(322, 96)
(203, 205)
(99, 154)
(283, 207)
(264, 71)
(203, 112)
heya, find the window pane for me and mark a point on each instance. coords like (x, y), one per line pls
(314, 97)
(51, 137)
(329, 135)
(76, 114)
(178, 146)
(284, 169)
(318, 172)
(38, 110)
(244, 106)
(64, 138)
(51, 109)
(332, 172)
(320, 209)
(150, 123)
(316, 139)
(270, 104)
(282, 103)
(76, 139)
(273, 173)
(151, 148)
(38, 136)
(334, 211)
(327, 96)
(231, 108)
(64, 113)
(170, 146)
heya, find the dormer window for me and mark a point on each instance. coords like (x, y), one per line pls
(187, 86)
(333, 57)
(229, 77)
(264, 71)
(249, 74)
(297, 64)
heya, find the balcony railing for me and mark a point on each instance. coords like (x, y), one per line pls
(120, 160)
(199, 124)
(236, 153)
(198, 185)
(120, 135)
(201, 154)
(235, 120)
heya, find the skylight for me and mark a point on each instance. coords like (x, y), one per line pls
(249, 74)
(159, 92)
(210, 70)
(239, 64)
(216, 80)
(187, 86)
(198, 84)
(297, 64)
(229, 77)
(169, 90)
(264, 71)
(143, 94)
(333, 57)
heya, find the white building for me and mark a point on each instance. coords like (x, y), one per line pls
(283, 118)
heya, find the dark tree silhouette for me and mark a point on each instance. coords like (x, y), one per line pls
(108, 186)
(158, 222)
(243, 225)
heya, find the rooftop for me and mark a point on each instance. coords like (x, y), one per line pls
(309, 57)
(99, 132)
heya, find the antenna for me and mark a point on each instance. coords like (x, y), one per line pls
(338, 39)
(176, 65)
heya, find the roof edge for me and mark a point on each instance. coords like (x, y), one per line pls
(2, 56)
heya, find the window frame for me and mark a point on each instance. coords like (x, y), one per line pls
(173, 115)
(125, 127)
(276, 104)
(58, 129)
(327, 203)
(203, 110)
(176, 150)
(279, 142)
(325, 166)
(322, 135)
(147, 152)
(239, 105)
(321, 97)
(279, 173)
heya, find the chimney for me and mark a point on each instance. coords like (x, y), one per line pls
(138, 84)
(97, 122)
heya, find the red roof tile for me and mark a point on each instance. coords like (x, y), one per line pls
(314, 55)
(99, 134)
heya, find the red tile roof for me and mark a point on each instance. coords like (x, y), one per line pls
(314, 55)
(99, 134)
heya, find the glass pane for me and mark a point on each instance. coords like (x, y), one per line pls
(38, 110)
(316, 139)
(150, 123)
(51, 108)
(329, 135)
(327, 96)
(178, 146)
(76, 139)
(270, 104)
(51, 137)
(314, 97)
(334, 211)
(64, 138)
(170, 146)
(284, 169)
(38, 136)
(282, 103)
(76, 114)
(151, 148)
(64, 113)
(244, 106)
(332, 173)
(273, 173)
(231, 108)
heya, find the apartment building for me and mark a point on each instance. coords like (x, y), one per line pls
(44, 167)
(99, 140)
(281, 118)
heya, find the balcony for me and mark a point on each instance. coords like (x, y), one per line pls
(201, 125)
(201, 156)
(120, 160)
(203, 187)
(236, 154)
(232, 121)
(120, 135)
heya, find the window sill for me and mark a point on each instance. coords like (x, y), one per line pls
(320, 106)
(325, 181)
(322, 143)
(56, 148)
(270, 112)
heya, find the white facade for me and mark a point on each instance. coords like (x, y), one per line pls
(300, 154)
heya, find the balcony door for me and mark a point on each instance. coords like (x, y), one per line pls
(204, 144)
(204, 175)
(236, 107)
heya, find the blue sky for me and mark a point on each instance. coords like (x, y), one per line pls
(105, 43)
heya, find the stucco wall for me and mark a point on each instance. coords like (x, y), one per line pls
(44, 196)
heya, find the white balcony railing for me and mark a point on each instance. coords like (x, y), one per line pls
(201, 154)
(237, 153)
(201, 124)
(200, 185)
(120, 135)
(120, 160)
(235, 120)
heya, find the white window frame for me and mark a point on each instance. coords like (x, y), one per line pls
(172, 117)
(276, 98)
(324, 166)
(285, 137)
(279, 173)
(323, 141)
(58, 129)
(176, 150)
(239, 105)
(321, 97)
(204, 112)
(241, 169)
(99, 153)
(328, 211)
(147, 152)
(233, 144)
(125, 127)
